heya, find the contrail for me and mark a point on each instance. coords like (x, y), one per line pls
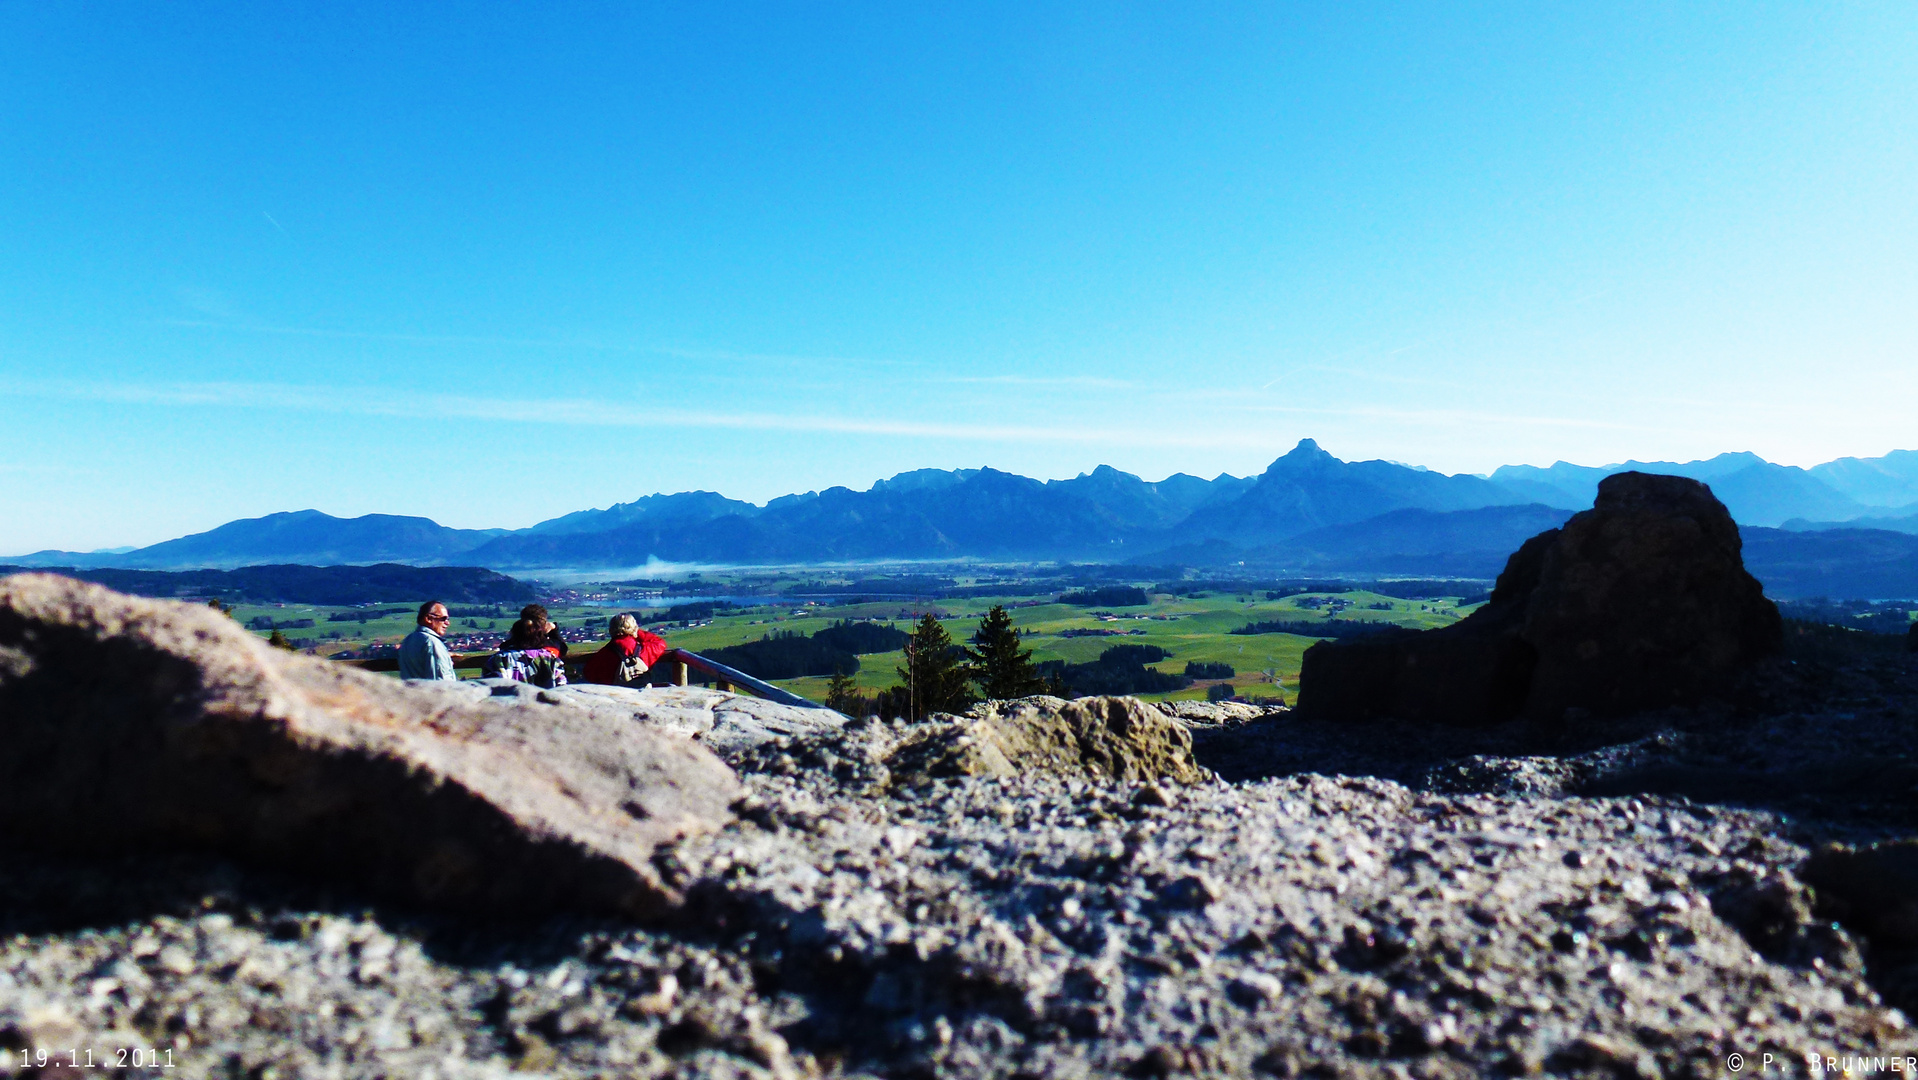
(277, 225)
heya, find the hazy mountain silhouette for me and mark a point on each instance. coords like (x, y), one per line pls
(1756, 491)
(299, 536)
(1308, 488)
(1309, 510)
(1855, 564)
(1906, 523)
(684, 507)
(1458, 543)
(1145, 505)
(1891, 480)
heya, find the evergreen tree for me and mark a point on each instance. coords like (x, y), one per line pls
(278, 641)
(935, 674)
(1003, 669)
(894, 703)
(842, 694)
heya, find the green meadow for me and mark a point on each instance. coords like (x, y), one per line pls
(1191, 628)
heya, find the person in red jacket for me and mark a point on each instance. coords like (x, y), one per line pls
(627, 658)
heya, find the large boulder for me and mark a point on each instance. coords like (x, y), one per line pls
(128, 724)
(1640, 602)
(1100, 738)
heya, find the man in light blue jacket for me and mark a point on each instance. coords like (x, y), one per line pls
(423, 655)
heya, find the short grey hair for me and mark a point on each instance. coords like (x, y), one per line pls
(623, 626)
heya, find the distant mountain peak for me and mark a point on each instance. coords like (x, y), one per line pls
(1307, 456)
(922, 479)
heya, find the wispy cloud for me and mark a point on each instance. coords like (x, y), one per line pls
(792, 359)
(1447, 416)
(16, 468)
(369, 401)
(372, 335)
(1087, 382)
(579, 344)
(1291, 374)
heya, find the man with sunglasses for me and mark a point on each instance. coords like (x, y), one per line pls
(423, 655)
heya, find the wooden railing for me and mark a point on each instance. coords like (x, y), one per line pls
(679, 664)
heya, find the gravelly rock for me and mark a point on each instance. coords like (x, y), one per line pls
(1045, 927)
(862, 920)
(129, 723)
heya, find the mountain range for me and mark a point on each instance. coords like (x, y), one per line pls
(1308, 511)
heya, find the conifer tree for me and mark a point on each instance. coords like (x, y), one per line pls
(1003, 669)
(842, 694)
(935, 674)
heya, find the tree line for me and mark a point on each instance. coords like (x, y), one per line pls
(940, 674)
(943, 676)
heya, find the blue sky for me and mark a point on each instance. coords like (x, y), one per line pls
(493, 263)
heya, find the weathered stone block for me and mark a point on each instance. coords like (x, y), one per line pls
(128, 724)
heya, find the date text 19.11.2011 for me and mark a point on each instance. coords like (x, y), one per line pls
(126, 1057)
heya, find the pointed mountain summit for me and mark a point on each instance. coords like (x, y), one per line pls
(1309, 488)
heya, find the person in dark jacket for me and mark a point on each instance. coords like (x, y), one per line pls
(627, 658)
(532, 653)
(533, 631)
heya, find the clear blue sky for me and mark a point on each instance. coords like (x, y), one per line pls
(492, 263)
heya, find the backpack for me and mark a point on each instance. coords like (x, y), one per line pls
(541, 667)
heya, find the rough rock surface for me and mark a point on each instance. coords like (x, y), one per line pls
(1212, 713)
(724, 721)
(1641, 602)
(131, 723)
(1036, 926)
(1115, 738)
(1097, 738)
(1634, 897)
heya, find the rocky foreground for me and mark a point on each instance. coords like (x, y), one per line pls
(1040, 889)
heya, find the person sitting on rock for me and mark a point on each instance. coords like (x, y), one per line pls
(533, 651)
(627, 658)
(423, 653)
(534, 631)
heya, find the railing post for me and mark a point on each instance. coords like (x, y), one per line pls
(681, 676)
(722, 686)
